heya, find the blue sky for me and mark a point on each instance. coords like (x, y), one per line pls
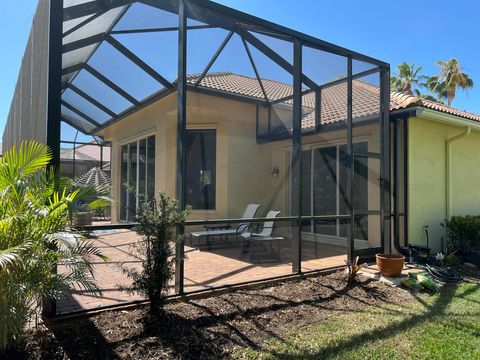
(413, 31)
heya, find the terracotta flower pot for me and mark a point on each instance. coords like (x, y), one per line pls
(390, 264)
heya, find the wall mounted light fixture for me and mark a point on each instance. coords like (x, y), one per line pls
(275, 172)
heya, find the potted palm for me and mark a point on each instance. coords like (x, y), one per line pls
(90, 201)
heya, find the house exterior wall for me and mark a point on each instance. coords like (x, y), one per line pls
(244, 167)
(248, 178)
(427, 178)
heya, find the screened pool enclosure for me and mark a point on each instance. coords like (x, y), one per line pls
(218, 109)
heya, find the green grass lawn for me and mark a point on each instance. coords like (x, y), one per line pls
(444, 326)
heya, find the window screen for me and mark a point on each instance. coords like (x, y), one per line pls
(201, 169)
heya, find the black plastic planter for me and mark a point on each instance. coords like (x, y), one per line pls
(418, 254)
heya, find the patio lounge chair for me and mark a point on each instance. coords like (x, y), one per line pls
(263, 240)
(225, 230)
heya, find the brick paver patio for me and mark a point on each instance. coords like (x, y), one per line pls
(204, 269)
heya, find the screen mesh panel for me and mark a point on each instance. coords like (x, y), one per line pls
(27, 115)
(98, 25)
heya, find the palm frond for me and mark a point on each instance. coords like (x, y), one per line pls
(12, 255)
(29, 158)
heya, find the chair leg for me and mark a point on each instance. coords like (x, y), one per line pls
(242, 245)
(252, 252)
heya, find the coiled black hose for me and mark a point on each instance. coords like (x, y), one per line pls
(441, 273)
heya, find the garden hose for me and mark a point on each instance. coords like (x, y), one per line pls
(442, 274)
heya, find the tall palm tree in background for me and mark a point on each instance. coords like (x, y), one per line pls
(451, 77)
(408, 80)
(437, 88)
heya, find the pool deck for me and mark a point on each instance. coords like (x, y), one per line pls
(204, 269)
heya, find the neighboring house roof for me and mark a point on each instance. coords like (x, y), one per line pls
(401, 101)
(366, 97)
(94, 151)
(67, 154)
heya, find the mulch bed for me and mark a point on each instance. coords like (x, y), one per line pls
(210, 328)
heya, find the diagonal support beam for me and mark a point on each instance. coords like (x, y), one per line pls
(75, 45)
(214, 57)
(332, 83)
(354, 77)
(275, 57)
(290, 97)
(255, 69)
(80, 113)
(111, 84)
(160, 29)
(81, 10)
(93, 101)
(73, 68)
(139, 62)
(71, 122)
(82, 24)
(92, 7)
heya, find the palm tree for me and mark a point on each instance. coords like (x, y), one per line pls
(451, 76)
(437, 89)
(408, 79)
(431, 98)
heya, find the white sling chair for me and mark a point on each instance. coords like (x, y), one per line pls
(263, 238)
(249, 213)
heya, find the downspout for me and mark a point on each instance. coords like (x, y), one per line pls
(448, 174)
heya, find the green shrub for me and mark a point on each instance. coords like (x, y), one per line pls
(463, 234)
(157, 224)
(32, 217)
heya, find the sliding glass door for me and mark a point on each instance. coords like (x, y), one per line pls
(360, 193)
(325, 190)
(137, 174)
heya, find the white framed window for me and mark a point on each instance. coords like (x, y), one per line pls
(137, 175)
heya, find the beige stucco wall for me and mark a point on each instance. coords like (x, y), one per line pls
(427, 177)
(244, 168)
(248, 178)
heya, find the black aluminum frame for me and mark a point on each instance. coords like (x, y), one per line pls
(398, 145)
(236, 22)
(233, 20)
